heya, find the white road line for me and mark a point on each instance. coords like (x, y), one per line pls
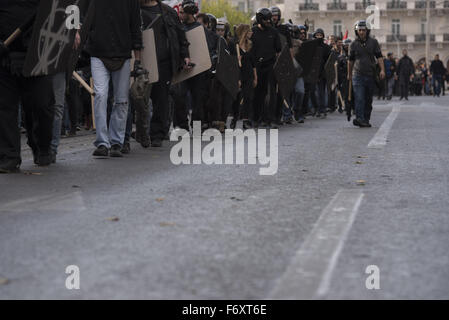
(310, 272)
(380, 139)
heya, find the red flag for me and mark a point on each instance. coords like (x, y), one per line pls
(346, 35)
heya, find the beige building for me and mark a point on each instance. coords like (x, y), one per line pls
(252, 5)
(402, 24)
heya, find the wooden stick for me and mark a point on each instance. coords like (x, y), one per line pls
(238, 55)
(13, 37)
(350, 91)
(341, 99)
(92, 99)
(83, 83)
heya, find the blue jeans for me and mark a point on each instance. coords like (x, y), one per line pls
(390, 87)
(437, 81)
(298, 99)
(115, 135)
(363, 92)
(59, 86)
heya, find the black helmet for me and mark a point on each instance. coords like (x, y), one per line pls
(275, 11)
(212, 22)
(294, 30)
(361, 24)
(263, 14)
(319, 30)
(189, 7)
(302, 27)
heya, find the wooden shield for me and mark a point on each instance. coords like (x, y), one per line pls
(149, 55)
(285, 73)
(228, 71)
(199, 55)
(51, 44)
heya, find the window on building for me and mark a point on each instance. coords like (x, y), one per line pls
(423, 25)
(337, 27)
(396, 26)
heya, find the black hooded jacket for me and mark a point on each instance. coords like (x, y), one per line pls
(173, 30)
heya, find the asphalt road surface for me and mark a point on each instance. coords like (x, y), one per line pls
(345, 201)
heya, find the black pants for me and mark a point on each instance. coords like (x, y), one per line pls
(217, 108)
(265, 94)
(160, 91)
(74, 103)
(332, 98)
(404, 85)
(247, 94)
(37, 98)
(197, 87)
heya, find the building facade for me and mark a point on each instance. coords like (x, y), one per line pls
(402, 24)
(251, 6)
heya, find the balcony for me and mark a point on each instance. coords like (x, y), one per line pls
(308, 7)
(396, 38)
(337, 6)
(422, 37)
(397, 5)
(423, 4)
(364, 5)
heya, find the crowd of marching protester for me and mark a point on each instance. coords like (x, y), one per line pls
(262, 75)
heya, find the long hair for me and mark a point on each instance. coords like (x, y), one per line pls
(241, 33)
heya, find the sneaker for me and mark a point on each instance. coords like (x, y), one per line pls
(116, 151)
(145, 142)
(363, 124)
(53, 157)
(44, 160)
(156, 143)
(126, 149)
(10, 165)
(101, 151)
(356, 122)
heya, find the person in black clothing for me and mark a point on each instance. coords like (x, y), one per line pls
(438, 71)
(243, 108)
(172, 55)
(364, 54)
(220, 101)
(342, 74)
(197, 85)
(324, 50)
(317, 89)
(405, 71)
(34, 93)
(266, 48)
(286, 39)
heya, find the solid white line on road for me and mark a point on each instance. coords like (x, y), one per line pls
(380, 139)
(310, 272)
